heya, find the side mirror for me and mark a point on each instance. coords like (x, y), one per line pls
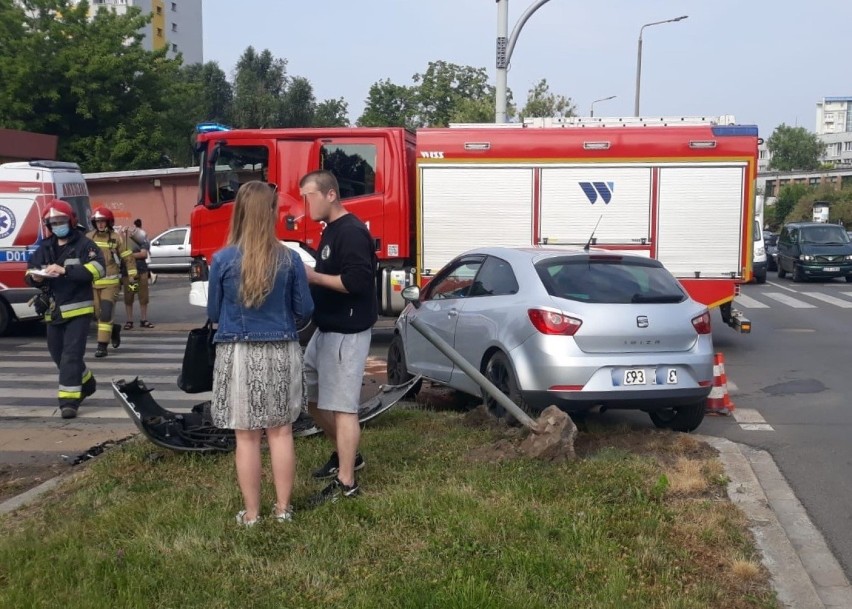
(157, 242)
(412, 294)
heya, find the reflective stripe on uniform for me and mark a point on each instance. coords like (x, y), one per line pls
(108, 281)
(95, 268)
(78, 312)
(87, 375)
(70, 393)
(71, 261)
(105, 327)
(126, 253)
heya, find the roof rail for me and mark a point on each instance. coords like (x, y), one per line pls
(628, 121)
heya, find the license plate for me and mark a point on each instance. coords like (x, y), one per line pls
(831, 269)
(634, 376)
(671, 376)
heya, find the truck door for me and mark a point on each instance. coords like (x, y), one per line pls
(357, 163)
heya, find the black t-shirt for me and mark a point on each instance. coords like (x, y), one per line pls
(346, 249)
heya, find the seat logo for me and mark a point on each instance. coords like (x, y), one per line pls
(641, 321)
(593, 189)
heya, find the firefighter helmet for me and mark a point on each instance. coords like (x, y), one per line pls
(102, 213)
(55, 210)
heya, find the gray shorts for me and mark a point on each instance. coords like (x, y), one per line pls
(334, 369)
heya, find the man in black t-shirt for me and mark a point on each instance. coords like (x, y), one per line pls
(343, 286)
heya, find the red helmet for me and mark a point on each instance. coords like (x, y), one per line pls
(102, 213)
(56, 209)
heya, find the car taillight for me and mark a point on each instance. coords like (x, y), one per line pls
(702, 323)
(550, 322)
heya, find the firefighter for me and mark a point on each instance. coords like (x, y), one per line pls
(114, 246)
(64, 267)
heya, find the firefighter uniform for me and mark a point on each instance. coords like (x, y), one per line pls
(116, 251)
(68, 305)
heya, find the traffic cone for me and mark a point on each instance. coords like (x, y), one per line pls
(719, 401)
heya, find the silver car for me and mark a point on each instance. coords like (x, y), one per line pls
(171, 250)
(574, 328)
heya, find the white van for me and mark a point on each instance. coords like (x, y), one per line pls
(25, 190)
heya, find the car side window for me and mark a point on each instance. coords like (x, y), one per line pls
(455, 282)
(175, 237)
(784, 237)
(794, 236)
(495, 278)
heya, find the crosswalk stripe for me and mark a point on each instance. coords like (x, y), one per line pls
(102, 365)
(107, 396)
(789, 300)
(749, 303)
(750, 419)
(114, 354)
(838, 302)
(151, 381)
(137, 344)
(85, 412)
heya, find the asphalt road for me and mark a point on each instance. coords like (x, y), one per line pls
(787, 379)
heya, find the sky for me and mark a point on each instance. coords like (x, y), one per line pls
(764, 61)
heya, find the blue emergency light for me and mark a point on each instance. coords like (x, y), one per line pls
(210, 127)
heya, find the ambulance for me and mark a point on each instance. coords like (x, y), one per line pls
(25, 190)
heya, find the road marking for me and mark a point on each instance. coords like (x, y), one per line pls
(750, 419)
(782, 287)
(125, 356)
(749, 303)
(96, 365)
(150, 381)
(85, 412)
(107, 395)
(838, 302)
(789, 301)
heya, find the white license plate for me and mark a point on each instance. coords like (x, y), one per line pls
(831, 269)
(634, 376)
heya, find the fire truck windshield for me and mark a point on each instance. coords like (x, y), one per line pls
(228, 168)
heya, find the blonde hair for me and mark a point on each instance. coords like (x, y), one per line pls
(253, 233)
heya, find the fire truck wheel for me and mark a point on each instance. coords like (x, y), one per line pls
(397, 367)
(500, 372)
(5, 318)
(683, 418)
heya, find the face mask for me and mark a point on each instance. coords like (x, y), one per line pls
(61, 230)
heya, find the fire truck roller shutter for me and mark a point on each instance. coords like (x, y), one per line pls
(473, 206)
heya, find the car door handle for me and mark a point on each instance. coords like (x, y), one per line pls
(180, 247)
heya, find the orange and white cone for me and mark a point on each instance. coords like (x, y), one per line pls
(719, 401)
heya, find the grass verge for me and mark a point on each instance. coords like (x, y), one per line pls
(638, 521)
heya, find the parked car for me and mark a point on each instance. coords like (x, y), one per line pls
(574, 328)
(170, 250)
(760, 258)
(770, 241)
(814, 250)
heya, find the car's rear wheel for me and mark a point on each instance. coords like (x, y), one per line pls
(398, 373)
(682, 418)
(761, 278)
(781, 272)
(499, 371)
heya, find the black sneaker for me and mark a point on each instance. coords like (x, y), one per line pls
(101, 351)
(335, 491)
(116, 336)
(69, 411)
(332, 466)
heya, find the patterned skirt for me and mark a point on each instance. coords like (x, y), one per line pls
(257, 385)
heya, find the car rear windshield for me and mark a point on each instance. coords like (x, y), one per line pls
(824, 235)
(609, 279)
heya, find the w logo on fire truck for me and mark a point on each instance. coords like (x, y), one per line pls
(593, 189)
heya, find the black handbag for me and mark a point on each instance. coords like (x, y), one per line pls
(196, 374)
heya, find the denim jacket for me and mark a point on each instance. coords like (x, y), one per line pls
(288, 305)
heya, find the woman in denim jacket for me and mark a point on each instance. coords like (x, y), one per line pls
(258, 293)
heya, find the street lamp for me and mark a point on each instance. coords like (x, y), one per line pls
(505, 46)
(639, 57)
(592, 110)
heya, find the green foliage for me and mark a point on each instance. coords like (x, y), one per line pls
(443, 88)
(542, 103)
(332, 113)
(839, 211)
(787, 199)
(389, 105)
(794, 148)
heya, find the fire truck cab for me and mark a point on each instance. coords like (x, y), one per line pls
(25, 189)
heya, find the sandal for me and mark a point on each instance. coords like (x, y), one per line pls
(128, 325)
(144, 323)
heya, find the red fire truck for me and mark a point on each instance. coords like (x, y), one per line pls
(680, 190)
(25, 189)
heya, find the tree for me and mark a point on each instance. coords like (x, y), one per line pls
(90, 82)
(259, 83)
(794, 148)
(444, 88)
(332, 113)
(542, 103)
(389, 105)
(215, 93)
(788, 197)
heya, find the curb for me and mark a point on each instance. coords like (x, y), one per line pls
(804, 571)
(19, 501)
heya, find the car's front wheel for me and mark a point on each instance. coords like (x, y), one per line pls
(500, 372)
(398, 373)
(683, 418)
(798, 274)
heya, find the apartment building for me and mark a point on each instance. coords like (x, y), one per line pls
(834, 127)
(176, 25)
